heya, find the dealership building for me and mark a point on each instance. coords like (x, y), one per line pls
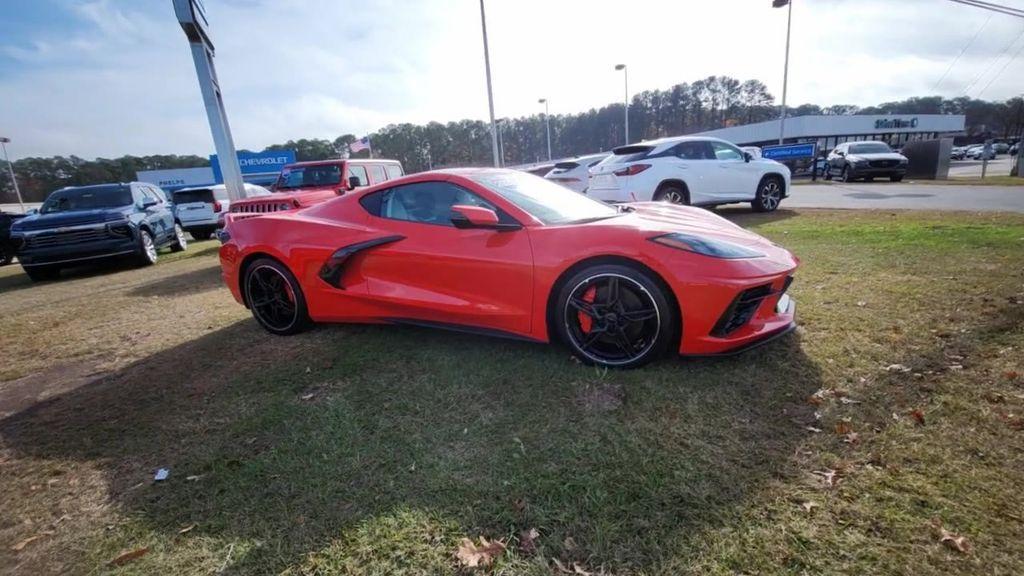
(829, 131)
(259, 168)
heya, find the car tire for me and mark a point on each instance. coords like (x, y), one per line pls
(275, 298)
(42, 273)
(827, 174)
(769, 194)
(180, 243)
(895, 178)
(615, 316)
(6, 255)
(672, 194)
(146, 255)
(846, 176)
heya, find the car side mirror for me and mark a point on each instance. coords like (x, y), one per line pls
(747, 156)
(148, 203)
(353, 182)
(32, 211)
(474, 217)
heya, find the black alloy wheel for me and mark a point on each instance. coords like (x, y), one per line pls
(275, 298)
(614, 315)
(672, 195)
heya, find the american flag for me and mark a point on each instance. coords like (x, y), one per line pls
(361, 144)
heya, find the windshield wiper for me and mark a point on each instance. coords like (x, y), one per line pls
(623, 208)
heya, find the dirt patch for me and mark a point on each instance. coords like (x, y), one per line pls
(17, 395)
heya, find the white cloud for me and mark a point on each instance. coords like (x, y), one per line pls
(122, 81)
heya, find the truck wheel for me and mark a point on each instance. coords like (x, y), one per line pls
(180, 243)
(147, 249)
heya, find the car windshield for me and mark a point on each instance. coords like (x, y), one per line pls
(545, 200)
(309, 176)
(870, 148)
(87, 199)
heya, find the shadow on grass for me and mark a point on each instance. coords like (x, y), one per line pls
(746, 217)
(297, 441)
(200, 280)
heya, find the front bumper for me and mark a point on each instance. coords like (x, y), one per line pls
(785, 308)
(861, 172)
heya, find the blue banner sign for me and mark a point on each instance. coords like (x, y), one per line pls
(789, 151)
(256, 162)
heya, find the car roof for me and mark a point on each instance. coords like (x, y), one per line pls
(331, 161)
(215, 187)
(669, 141)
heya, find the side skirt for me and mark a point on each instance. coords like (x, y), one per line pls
(477, 330)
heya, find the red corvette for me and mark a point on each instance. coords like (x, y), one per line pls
(507, 253)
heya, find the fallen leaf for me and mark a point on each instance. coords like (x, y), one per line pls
(918, 416)
(528, 541)
(846, 400)
(995, 398)
(126, 557)
(576, 569)
(897, 368)
(952, 541)
(307, 396)
(815, 400)
(1011, 374)
(186, 529)
(472, 555)
(21, 545)
(569, 544)
(808, 506)
(193, 478)
(812, 429)
(851, 438)
(861, 303)
(843, 428)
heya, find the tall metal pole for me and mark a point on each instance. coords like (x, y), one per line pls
(10, 168)
(490, 93)
(547, 124)
(625, 81)
(785, 73)
(501, 144)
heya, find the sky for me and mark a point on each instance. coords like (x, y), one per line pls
(113, 77)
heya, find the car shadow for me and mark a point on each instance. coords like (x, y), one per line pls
(744, 216)
(193, 282)
(293, 442)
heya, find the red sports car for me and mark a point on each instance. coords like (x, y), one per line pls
(506, 253)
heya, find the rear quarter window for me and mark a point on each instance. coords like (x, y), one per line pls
(393, 171)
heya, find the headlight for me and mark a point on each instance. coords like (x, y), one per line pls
(706, 246)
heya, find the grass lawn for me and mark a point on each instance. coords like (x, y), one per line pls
(893, 413)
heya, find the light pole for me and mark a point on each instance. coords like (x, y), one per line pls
(547, 123)
(625, 81)
(10, 167)
(490, 93)
(501, 143)
(785, 70)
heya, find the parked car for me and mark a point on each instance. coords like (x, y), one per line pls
(697, 171)
(868, 159)
(958, 153)
(6, 246)
(201, 209)
(1001, 147)
(502, 252)
(541, 170)
(1013, 149)
(83, 224)
(978, 152)
(573, 173)
(305, 184)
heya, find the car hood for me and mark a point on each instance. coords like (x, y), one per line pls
(876, 156)
(71, 218)
(653, 218)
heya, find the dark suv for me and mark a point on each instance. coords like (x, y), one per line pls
(83, 224)
(6, 246)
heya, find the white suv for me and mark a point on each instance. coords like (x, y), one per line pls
(689, 170)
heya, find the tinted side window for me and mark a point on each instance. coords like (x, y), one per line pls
(377, 173)
(694, 150)
(360, 173)
(393, 171)
(724, 151)
(424, 202)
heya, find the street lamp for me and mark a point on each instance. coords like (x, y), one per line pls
(625, 80)
(501, 142)
(547, 123)
(490, 93)
(10, 168)
(785, 71)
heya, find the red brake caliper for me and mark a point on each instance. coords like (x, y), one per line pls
(586, 322)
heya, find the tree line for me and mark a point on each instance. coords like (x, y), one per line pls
(706, 104)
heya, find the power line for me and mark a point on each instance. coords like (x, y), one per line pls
(1003, 69)
(957, 59)
(993, 62)
(1001, 8)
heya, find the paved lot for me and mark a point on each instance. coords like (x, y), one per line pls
(875, 195)
(972, 168)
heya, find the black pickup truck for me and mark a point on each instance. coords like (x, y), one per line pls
(6, 246)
